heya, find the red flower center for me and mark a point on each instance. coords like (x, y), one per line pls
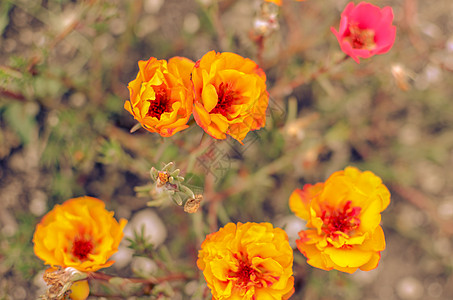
(245, 274)
(81, 248)
(226, 98)
(344, 220)
(248, 276)
(361, 38)
(160, 104)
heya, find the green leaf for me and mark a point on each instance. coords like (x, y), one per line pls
(5, 7)
(21, 120)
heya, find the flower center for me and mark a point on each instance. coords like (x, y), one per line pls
(248, 275)
(160, 104)
(340, 220)
(81, 248)
(164, 177)
(245, 274)
(361, 38)
(226, 98)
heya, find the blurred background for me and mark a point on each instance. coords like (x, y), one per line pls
(64, 70)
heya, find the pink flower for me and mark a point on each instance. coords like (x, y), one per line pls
(365, 30)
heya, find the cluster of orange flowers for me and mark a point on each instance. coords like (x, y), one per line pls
(226, 93)
(240, 261)
(253, 261)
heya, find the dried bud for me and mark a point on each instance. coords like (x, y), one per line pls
(266, 20)
(296, 129)
(59, 282)
(401, 76)
(167, 185)
(193, 204)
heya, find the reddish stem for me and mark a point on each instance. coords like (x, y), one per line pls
(172, 277)
(12, 95)
(286, 88)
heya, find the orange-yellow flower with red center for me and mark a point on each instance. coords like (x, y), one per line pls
(161, 96)
(80, 234)
(343, 216)
(230, 95)
(247, 261)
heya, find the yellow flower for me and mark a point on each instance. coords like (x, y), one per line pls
(80, 290)
(230, 95)
(161, 97)
(80, 234)
(343, 216)
(247, 261)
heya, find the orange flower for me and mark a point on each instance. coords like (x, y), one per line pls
(343, 216)
(161, 96)
(279, 2)
(80, 234)
(230, 95)
(247, 261)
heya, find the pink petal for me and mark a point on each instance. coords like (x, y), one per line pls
(344, 25)
(365, 15)
(350, 7)
(347, 48)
